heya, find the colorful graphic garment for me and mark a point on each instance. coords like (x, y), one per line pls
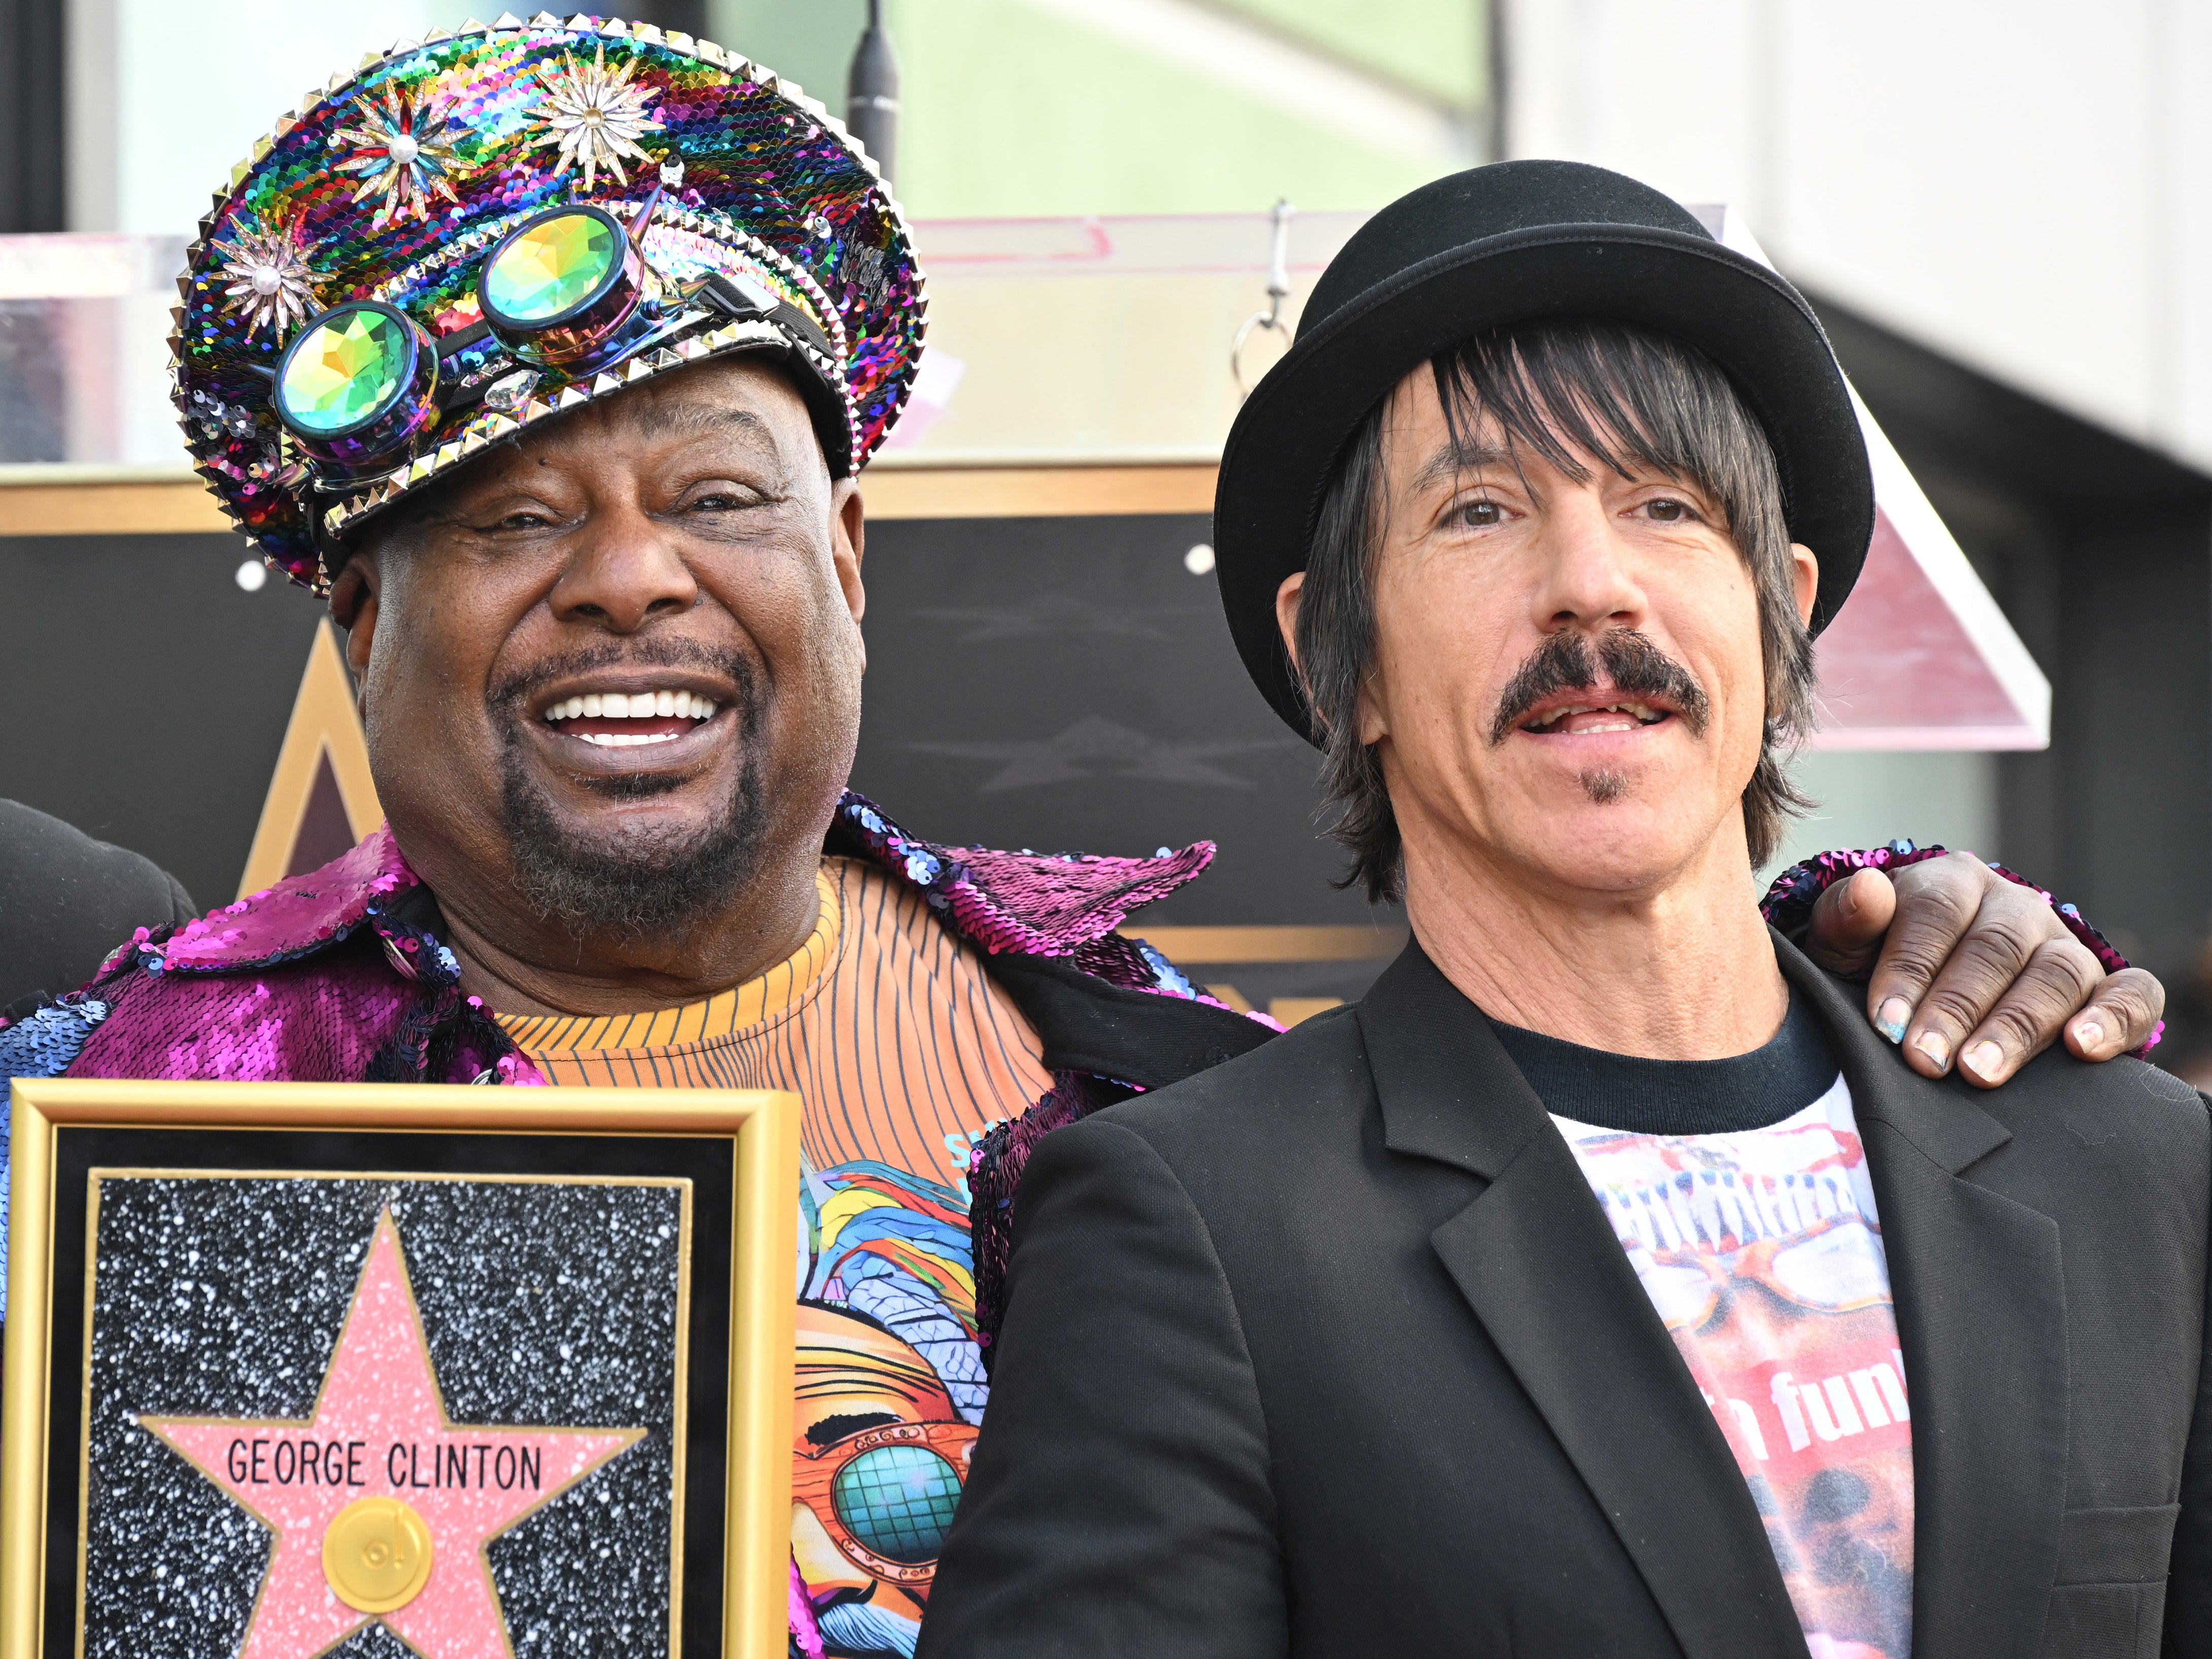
(904, 1052)
(1762, 1252)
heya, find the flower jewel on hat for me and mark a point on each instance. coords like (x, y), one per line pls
(476, 233)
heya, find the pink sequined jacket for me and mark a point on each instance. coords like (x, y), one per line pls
(340, 975)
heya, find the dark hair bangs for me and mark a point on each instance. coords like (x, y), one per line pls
(1631, 401)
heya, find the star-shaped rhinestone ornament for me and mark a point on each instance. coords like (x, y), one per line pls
(272, 285)
(594, 114)
(381, 1506)
(404, 151)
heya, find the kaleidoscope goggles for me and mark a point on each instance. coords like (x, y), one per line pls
(885, 1495)
(358, 382)
(566, 293)
(567, 289)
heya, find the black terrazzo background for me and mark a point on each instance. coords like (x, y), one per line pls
(543, 1303)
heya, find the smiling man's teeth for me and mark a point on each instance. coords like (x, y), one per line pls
(1639, 715)
(628, 740)
(639, 706)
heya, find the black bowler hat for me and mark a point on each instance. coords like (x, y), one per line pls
(1514, 243)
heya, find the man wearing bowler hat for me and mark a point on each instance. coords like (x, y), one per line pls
(1599, 1284)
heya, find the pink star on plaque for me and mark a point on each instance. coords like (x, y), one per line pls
(380, 1505)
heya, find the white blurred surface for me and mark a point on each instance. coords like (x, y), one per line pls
(2027, 187)
(189, 87)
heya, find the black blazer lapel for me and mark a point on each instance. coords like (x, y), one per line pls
(1544, 1273)
(1981, 1318)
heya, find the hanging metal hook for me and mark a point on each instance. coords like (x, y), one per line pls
(1278, 289)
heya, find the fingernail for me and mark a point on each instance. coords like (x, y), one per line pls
(1983, 1059)
(2088, 1033)
(1890, 1019)
(1936, 1047)
(1851, 906)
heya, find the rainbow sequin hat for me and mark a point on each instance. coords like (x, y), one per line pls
(487, 229)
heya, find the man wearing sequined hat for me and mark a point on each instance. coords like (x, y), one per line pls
(549, 352)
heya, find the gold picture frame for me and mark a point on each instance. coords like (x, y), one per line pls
(761, 1126)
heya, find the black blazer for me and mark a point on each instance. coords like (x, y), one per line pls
(1329, 1351)
(66, 901)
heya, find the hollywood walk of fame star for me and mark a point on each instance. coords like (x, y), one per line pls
(378, 1483)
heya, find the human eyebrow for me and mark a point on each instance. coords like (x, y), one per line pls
(1453, 461)
(676, 420)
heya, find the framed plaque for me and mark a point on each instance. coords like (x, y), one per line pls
(368, 1370)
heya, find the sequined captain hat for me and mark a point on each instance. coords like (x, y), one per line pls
(483, 230)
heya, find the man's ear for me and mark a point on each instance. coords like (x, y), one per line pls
(348, 588)
(848, 542)
(1806, 574)
(355, 596)
(1373, 725)
(1286, 613)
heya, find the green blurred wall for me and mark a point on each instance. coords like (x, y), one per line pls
(1434, 47)
(1014, 109)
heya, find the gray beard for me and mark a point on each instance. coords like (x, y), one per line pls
(638, 886)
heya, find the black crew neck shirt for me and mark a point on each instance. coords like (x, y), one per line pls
(1635, 1095)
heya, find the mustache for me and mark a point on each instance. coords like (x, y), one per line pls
(506, 696)
(1568, 661)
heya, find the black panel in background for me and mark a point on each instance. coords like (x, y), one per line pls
(1068, 684)
(1061, 683)
(32, 177)
(147, 694)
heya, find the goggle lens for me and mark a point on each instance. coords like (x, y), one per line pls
(551, 269)
(358, 382)
(898, 1501)
(350, 367)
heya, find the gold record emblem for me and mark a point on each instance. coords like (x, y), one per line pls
(376, 1553)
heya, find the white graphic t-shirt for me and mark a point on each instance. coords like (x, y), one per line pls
(1761, 1250)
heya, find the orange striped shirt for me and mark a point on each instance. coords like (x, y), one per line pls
(884, 1023)
(904, 1051)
